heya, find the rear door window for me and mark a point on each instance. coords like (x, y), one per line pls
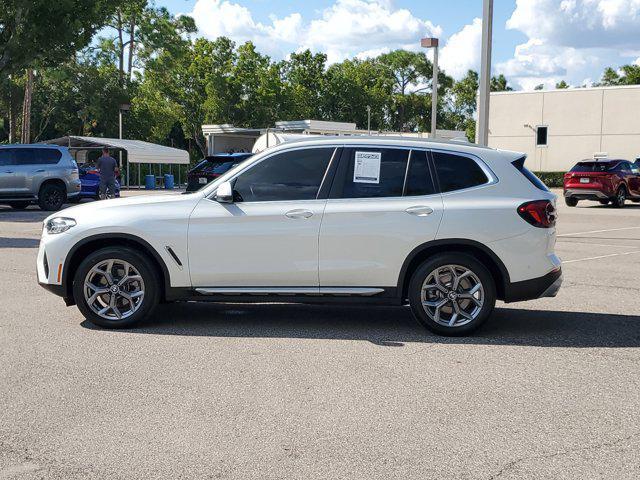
(37, 156)
(371, 173)
(457, 172)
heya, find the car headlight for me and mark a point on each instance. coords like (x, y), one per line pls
(59, 224)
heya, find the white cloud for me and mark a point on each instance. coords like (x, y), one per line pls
(347, 28)
(579, 23)
(352, 26)
(570, 39)
(462, 50)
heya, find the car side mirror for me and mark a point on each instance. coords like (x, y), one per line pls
(224, 193)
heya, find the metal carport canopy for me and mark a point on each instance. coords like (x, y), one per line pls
(137, 150)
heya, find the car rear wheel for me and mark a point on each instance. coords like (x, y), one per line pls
(116, 287)
(570, 201)
(19, 205)
(620, 198)
(51, 197)
(452, 294)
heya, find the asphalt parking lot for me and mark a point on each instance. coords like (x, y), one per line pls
(548, 389)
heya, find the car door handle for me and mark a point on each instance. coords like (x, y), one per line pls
(298, 213)
(8, 171)
(40, 171)
(419, 210)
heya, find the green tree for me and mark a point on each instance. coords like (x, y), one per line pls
(304, 77)
(411, 74)
(44, 32)
(561, 85)
(354, 85)
(628, 75)
(499, 84)
(463, 104)
(141, 31)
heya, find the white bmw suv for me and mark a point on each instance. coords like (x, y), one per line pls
(447, 228)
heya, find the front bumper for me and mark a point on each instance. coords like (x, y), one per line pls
(545, 286)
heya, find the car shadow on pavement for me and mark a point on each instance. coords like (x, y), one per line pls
(30, 215)
(387, 326)
(15, 242)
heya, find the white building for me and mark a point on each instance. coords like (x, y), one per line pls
(557, 128)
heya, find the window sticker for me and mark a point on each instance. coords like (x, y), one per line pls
(366, 168)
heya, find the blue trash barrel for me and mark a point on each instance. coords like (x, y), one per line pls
(149, 182)
(168, 181)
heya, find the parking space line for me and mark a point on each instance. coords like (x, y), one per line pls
(601, 244)
(600, 256)
(598, 231)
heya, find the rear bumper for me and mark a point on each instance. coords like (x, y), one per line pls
(586, 194)
(545, 286)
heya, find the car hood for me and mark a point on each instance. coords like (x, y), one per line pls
(112, 206)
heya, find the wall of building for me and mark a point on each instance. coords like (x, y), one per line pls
(580, 122)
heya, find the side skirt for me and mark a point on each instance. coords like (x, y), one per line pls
(310, 295)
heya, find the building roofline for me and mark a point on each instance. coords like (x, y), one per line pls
(573, 89)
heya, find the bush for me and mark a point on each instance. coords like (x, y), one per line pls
(551, 179)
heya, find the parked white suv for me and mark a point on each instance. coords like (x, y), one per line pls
(447, 228)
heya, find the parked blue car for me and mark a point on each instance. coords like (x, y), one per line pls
(90, 180)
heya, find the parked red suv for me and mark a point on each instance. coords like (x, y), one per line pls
(606, 181)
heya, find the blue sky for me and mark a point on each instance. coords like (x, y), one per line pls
(535, 41)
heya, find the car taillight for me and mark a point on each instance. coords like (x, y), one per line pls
(539, 213)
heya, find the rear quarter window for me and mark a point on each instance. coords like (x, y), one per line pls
(457, 172)
(539, 184)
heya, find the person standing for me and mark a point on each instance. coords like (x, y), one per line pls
(107, 166)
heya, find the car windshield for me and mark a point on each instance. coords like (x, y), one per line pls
(594, 166)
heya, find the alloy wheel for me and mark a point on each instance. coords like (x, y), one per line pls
(452, 295)
(114, 289)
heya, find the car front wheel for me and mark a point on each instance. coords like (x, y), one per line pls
(51, 197)
(452, 294)
(116, 287)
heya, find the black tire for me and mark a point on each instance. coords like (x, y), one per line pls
(141, 263)
(620, 198)
(570, 201)
(19, 205)
(604, 202)
(52, 197)
(465, 261)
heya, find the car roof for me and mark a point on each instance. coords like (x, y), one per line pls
(32, 145)
(230, 156)
(604, 160)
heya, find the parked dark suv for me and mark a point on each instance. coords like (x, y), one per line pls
(211, 167)
(45, 174)
(605, 181)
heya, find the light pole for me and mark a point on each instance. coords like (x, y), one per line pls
(369, 118)
(124, 107)
(433, 43)
(482, 135)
